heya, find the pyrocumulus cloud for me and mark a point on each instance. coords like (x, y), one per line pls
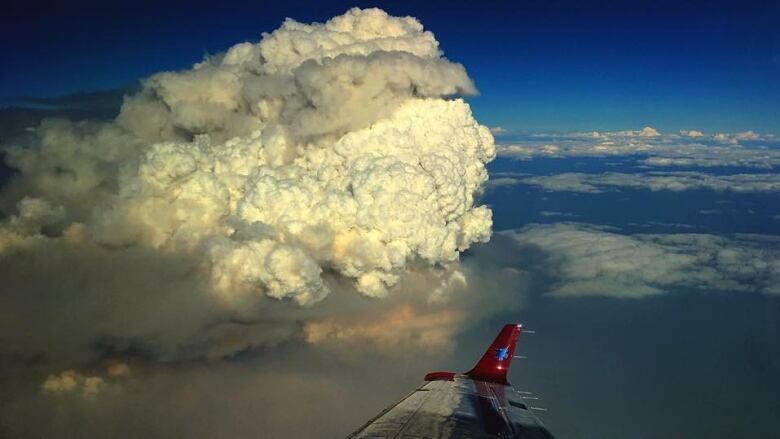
(227, 201)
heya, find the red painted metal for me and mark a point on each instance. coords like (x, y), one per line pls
(494, 364)
(443, 376)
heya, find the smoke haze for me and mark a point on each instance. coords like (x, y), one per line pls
(299, 198)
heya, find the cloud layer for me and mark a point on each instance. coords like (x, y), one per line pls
(654, 181)
(584, 260)
(653, 148)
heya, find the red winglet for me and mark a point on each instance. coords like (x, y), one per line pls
(495, 362)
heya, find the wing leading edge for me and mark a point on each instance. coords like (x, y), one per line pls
(477, 404)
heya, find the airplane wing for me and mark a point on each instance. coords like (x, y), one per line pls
(477, 404)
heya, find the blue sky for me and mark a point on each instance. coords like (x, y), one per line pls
(540, 65)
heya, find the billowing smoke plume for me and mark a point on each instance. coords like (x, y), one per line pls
(326, 158)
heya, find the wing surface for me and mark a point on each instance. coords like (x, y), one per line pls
(477, 404)
(460, 408)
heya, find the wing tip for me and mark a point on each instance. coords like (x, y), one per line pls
(495, 362)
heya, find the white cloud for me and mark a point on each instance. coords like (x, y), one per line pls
(86, 383)
(649, 132)
(747, 135)
(588, 260)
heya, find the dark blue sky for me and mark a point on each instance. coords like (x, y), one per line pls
(540, 65)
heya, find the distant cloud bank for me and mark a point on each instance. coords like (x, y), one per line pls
(592, 260)
(654, 181)
(653, 148)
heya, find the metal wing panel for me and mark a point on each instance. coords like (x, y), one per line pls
(461, 408)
